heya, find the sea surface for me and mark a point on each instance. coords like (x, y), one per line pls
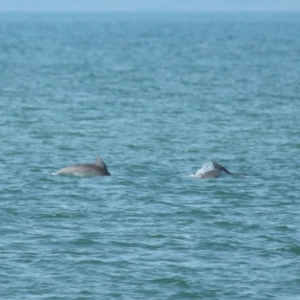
(157, 96)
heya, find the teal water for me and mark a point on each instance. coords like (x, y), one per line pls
(156, 96)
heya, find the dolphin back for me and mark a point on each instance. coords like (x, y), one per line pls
(211, 174)
(96, 169)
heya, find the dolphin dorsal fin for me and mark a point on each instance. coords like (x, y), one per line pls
(99, 162)
(220, 168)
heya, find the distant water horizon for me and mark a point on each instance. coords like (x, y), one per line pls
(155, 5)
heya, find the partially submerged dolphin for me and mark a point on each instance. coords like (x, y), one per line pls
(216, 172)
(96, 169)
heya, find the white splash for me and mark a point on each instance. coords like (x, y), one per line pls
(206, 167)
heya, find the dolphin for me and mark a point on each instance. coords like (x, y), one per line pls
(96, 169)
(210, 174)
(217, 171)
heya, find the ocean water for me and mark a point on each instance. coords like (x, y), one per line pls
(157, 96)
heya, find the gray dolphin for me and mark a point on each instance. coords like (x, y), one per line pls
(218, 171)
(210, 174)
(96, 169)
